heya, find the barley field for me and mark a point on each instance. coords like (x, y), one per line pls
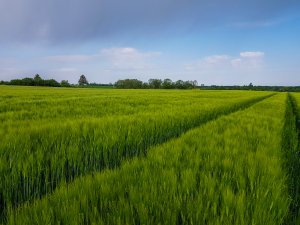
(106, 156)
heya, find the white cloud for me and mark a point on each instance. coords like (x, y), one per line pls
(246, 61)
(215, 59)
(209, 62)
(128, 58)
(66, 69)
(225, 69)
(252, 54)
(249, 60)
(236, 62)
(70, 58)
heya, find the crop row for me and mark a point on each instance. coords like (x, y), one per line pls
(35, 160)
(229, 171)
(32, 110)
(23, 107)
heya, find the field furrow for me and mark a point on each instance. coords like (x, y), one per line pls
(292, 152)
(228, 171)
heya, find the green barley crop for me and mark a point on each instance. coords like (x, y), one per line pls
(228, 171)
(49, 136)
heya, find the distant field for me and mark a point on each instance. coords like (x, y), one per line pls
(106, 156)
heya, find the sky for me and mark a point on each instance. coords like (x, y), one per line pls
(229, 42)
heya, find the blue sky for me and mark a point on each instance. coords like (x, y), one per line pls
(231, 42)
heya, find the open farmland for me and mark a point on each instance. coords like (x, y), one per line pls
(91, 156)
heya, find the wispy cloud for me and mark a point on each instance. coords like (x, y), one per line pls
(215, 59)
(209, 62)
(70, 58)
(252, 54)
(62, 21)
(115, 58)
(249, 60)
(66, 70)
(246, 60)
(128, 58)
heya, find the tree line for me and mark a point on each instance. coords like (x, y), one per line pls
(253, 88)
(155, 84)
(137, 84)
(38, 81)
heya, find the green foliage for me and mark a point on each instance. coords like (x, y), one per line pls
(82, 80)
(155, 84)
(65, 83)
(252, 87)
(167, 84)
(24, 82)
(229, 171)
(36, 81)
(129, 84)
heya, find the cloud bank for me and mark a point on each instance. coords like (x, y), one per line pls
(62, 21)
(128, 58)
(250, 60)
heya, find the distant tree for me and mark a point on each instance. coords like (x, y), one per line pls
(65, 83)
(145, 85)
(155, 83)
(99, 85)
(188, 85)
(167, 84)
(28, 81)
(82, 80)
(250, 86)
(195, 83)
(38, 81)
(179, 84)
(24, 82)
(15, 82)
(129, 84)
(51, 83)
